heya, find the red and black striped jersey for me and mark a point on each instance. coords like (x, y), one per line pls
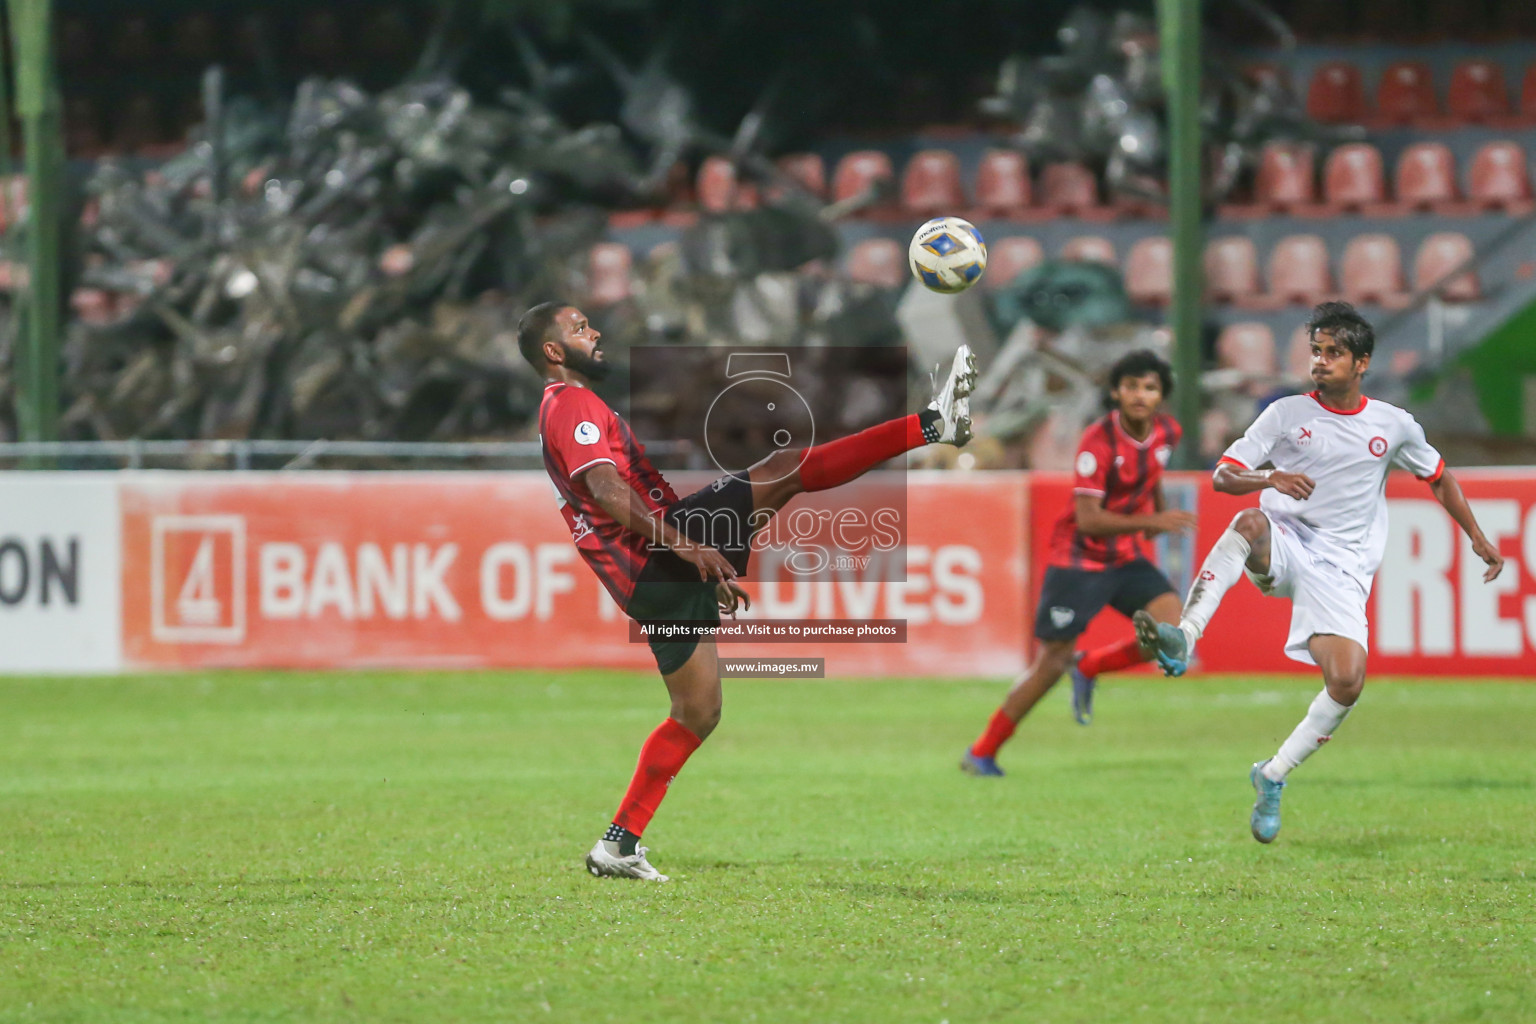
(1122, 472)
(579, 431)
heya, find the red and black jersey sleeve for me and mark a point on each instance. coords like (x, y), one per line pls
(578, 432)
(1090, 469)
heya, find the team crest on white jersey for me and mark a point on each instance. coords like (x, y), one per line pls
(1378, 446)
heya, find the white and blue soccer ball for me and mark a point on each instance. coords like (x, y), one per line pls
(948, 255)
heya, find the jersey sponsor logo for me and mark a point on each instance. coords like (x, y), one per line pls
(1086, 464)
(1062, 617)
(1207, 575)
(1303, 437)
(580, 527)
(587, 433)
(1378, 446)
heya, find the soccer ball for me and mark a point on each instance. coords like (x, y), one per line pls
(947, 254)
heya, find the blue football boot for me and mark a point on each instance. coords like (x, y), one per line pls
(1167, 644)
(1265, 819)
(1082, 692)
(973, 765)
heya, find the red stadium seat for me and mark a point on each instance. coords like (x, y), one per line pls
(1231, 269)
(1406, 94)
(1002, 183)
(1149, 271)
(1426, 178)
(1009, 257)
(808, 169)
(608, 266)
(1286, 177)
(1298, 355)
(1438, 257)
(1090, 249)
(1500, 179)
(717, 184)
(1337, 93)
(1354, 178)
(930, 185)
(859, 171)
(878, 261)
(1068, 188)
(1372, 270)
(1478, 92)
(1298, 270)
(1249, 347)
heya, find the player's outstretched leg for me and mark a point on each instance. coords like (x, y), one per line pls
(981, 757)
(1343, 663)
(1088, 666)
(696, 701)
(1244, 544)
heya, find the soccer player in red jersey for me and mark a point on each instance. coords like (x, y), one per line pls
(666, 559)
(1097, 554)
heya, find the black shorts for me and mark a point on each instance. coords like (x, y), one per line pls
(1070, 598)
(669, 589)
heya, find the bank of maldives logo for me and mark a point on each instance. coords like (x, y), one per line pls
(197, 579)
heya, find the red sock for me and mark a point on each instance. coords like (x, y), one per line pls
(1112, 658)
(661, 757)
(998, 730)
(837, 462)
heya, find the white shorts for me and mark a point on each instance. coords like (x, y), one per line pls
(1324, 598)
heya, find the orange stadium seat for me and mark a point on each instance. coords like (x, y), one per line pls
(1371, 270)
(1406, 94)
(878, 261)
(1090, 249)
(717, 184)
(1231, 269)
(1426, 179)
(608, 266)
(1298, 270)
(930, 184)
(1149, 271)
(1354, 178)
(1009, 257)
(1499, 179)
(1336, 93)
(1478, 92)
(1068, 188)
(858, 171)
(1249, 347)
(1286, 177)
(1438, 257)
(1002, 183)
(808, 169)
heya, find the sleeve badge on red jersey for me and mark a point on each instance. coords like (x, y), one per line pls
(1086, 463)
(1161, 455)
(587, 433)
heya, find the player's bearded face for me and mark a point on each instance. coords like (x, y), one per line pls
(589, 367)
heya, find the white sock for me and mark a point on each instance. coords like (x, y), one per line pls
(1323, 717)
(1221, 568)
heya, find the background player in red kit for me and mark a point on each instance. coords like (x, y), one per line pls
(1097, 554)
(670, 560)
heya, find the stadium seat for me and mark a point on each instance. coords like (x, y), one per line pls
(717, 184)
(1426, 179)
(1336, 93)
(859, 171)
(1248, 347)
(1068, 189)
(878, 261)
(1149, 271)
(608, 266)
(1478, 93)
(1298, 356)
(1009, 257)
(930, 184)
(1090, 249)
(1439, 255)
(1354, 178)
(1298, 270)
(808, 169)
(1286, 177)
(1406, 94)
(1002, 183)
(1371, 271)
(1499, 179)
(1231, 270)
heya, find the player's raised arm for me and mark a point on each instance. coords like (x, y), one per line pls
(1448, 493)
(621, 502)
(1234, 478)
(1094, 520)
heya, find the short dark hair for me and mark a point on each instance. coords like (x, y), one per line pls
(1345, 324)
(533, 331)
(1138, 364)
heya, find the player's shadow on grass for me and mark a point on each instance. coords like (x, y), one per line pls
(916, 893)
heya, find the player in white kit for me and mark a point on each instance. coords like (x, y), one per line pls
(1318, 534)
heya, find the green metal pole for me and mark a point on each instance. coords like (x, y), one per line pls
(37, 101)
(1179, 31)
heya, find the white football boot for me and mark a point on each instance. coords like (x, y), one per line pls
(952, 401)
(603, 864)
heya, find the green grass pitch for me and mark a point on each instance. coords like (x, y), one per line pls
(408, 847)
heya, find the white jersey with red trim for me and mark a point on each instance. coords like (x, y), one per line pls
(1348, 456)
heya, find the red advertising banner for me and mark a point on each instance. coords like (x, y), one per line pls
(478, 569)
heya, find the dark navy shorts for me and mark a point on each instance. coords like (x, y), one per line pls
(1070, 598)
